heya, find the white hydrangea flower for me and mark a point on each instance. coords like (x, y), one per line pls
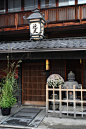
(55, 80)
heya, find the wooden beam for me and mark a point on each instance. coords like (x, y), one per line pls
(76, 2)
(6, 6)
(57, 3)
(22, 5)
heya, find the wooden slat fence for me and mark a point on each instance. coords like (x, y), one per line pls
(60, 100)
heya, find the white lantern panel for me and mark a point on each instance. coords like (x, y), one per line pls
(35, 28)
(42, 28)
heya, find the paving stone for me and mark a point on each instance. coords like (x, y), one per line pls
(17, 121)
(24, 118)
(30, 110)
(25, 115)
(38, 119)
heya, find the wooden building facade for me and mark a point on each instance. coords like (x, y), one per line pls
(64, 45)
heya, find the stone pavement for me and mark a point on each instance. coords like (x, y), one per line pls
(50, 122)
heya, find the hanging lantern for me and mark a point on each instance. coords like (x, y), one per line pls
(36, 24)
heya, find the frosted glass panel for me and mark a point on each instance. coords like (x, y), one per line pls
(30, 4)
(14, 5)
(66, 2)
(47, 3)
(81, 1)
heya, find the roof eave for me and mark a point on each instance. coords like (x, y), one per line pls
(43, 50)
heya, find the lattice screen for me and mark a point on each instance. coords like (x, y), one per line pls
(34, 84)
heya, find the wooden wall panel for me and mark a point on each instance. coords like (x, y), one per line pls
(75, 67)
(58, 67)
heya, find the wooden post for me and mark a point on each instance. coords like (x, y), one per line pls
(22, 5)
(46, 16)
(66, 14)
(65, 71)
(38, 4)
(76, 2)
(80, 14)
(47, 100)
(57, 14)
(53, 102)
(81, 102)
(74, 98)
(6, 6)
(76, 10)
(82, 73)
(67, 100)
(57, 3)
(16, 20)
(60, 96)
(22, 83)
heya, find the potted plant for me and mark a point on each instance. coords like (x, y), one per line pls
(9, 88)
(55, 80)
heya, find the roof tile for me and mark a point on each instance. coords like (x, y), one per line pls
(61, 43)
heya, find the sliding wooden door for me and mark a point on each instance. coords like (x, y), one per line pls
(33, 84)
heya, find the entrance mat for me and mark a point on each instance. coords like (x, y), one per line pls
(29, 117)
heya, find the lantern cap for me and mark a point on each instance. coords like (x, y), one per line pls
(35, 15)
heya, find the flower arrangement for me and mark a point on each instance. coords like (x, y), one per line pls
(55, 80)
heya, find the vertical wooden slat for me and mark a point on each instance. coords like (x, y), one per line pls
(74, 98)
(80, 14)
(47, 100)
(22, 84)
(60, 98)
(53, 102)
(76, 12)
(46, 16)
(16, 20)
(82, 74)
(81, 101)
(67, 100)
(57, 14)
(66, 13)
